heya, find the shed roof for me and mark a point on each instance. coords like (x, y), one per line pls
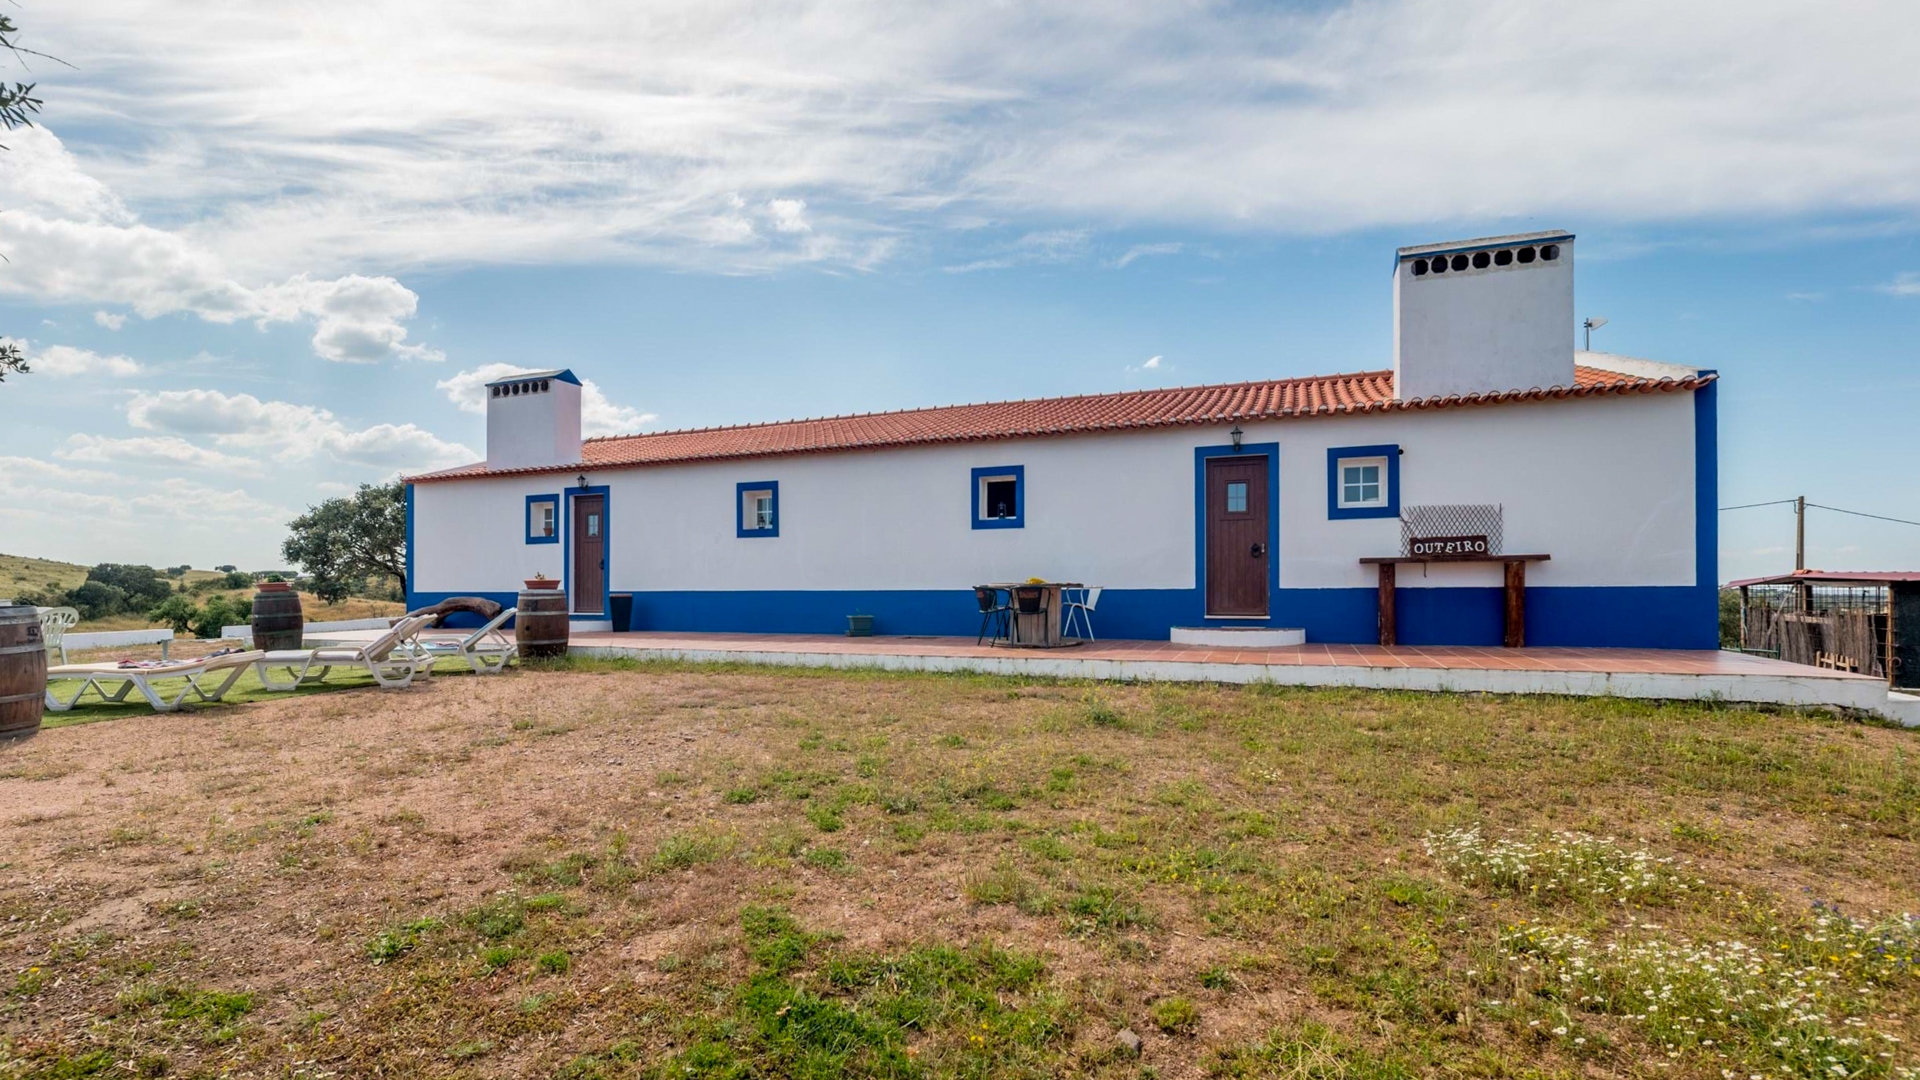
(1272, 399)
(1832, 577)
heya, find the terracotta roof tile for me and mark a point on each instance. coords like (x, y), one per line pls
(1365, 391)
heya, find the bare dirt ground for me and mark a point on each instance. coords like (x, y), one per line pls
(705, 871)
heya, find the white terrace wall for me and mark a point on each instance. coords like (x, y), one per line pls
(1605, 486)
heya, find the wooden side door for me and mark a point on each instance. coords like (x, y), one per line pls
(1237, 538)
(589, 585)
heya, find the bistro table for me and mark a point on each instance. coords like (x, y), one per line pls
(1037, 629)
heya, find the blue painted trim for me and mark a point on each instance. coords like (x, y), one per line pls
(1706, 510)
(407, 586)
(1471, 248)
(1200, 455)
(563, 375)
(1335, 512)
(527, 521)
(1645, 617)
(1019, 518)
(740, 510)
(606, 547)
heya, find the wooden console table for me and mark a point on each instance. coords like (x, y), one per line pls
(1516, 590)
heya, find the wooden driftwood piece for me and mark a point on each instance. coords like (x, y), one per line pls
(480, 606)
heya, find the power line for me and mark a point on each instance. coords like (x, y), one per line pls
(1876, 517)
(1749, 506)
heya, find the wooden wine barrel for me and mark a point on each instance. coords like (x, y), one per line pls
(541, 625)
(23, 672)
(278, 622)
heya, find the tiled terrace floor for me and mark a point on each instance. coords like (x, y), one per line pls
(1441, 657)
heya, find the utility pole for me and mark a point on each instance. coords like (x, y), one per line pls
(1805, 591)
(1800, 533)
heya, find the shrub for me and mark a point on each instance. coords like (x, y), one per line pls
(221, 612)
(178, 612)
(97, 600)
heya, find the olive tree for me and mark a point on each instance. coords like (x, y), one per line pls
(344, 540)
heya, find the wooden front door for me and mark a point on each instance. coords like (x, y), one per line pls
(1237, 539)
(589, 554)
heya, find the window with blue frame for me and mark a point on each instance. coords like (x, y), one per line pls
(1363, 481)
(543, 519)
(757, 509)
(1000, 497)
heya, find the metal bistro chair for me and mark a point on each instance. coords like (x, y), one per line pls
(1079, 602)
(994, 615)
(1027, 600)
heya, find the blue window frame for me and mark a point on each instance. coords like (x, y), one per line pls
(1000, 497)
(543, 519)
(756, 509)
(1363, 482)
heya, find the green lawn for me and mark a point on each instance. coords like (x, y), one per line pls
(654, 870)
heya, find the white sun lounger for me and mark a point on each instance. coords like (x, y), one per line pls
(200, 681)
(393, 659)
(487, 650)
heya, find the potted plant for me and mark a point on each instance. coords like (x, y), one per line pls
(541, 581)
(275, 583)
(859, 626)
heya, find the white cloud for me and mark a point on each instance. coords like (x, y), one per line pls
(1152, 365)
(598, 416)
(88, 248)
(1141, 251)
(167, 450)
(26, 468)
(43, 490)
(308, 149)
(290, 432)
(1048, 246)
(789, 215)
(66, 361)
(1906, 283)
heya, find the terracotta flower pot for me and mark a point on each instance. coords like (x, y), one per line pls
(540, 583)
(275, 586)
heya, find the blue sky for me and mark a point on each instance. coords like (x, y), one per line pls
(261, 257)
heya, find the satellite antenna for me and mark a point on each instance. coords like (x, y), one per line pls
(1593, 323)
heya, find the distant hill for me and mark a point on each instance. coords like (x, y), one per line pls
(21, 574)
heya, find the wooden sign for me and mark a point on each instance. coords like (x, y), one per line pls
(1443, 547)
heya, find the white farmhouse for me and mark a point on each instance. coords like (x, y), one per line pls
(1250, 504)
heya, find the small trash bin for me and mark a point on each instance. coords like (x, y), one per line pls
(620, 606)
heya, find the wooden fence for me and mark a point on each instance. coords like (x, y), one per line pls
(1849, 640)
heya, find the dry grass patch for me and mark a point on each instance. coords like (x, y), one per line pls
(617, 870)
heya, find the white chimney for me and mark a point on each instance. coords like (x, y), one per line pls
(533, 419)
(1483, 316)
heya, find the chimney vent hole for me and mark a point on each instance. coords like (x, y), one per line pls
(1503, 257)
(1550, 252)
(1459, 262)
(1526, 254)
(1419, 267)
(1481, 260)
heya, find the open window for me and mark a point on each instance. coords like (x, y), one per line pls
(1000, 497)
(543, 519)
(1363, 482)
(757, 505)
